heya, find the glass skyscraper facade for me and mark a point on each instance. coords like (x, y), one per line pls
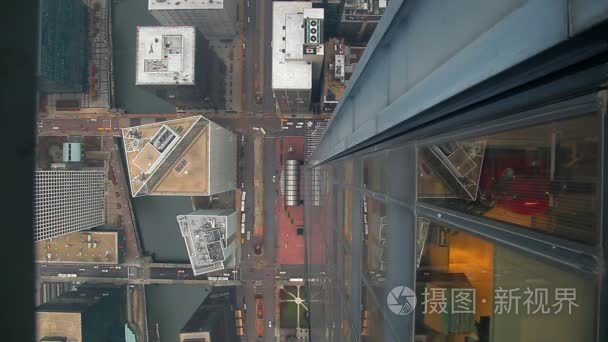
(62, 39)
(494, 207)
(479, 218)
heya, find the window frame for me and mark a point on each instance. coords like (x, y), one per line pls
(589, 260)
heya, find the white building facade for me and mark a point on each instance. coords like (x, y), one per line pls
(297, 53)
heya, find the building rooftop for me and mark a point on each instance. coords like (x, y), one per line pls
(294, 36)
(205, 233)
(65, 324)
(184, 4)
(209, 322)
(340, 61)
(80, 247)
(365, 7)
(168, 158)
(75, 313)
(165, 55)
(288, 37)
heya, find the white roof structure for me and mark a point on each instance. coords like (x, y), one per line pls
(206, 233)
(288, 38)
(184, 5)
(165, 55)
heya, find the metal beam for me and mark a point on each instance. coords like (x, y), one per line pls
(468, 48)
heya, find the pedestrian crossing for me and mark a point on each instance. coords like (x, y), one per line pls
(313, 137)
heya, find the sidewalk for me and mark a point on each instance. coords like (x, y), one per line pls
(118, 206)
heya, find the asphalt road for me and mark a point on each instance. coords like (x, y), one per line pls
(77, 126)
(257, 38)
(123, 271)
(270, 237)
(97, 271)
(258, 272)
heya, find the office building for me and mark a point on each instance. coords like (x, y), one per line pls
(67, 201)
(339, 65)
(209, 235)
(215, 19)
(359, 19)
(185, 157)
(90, 247)
(210, 322)
(297, 54)
(87, 314)
(62, 46)
(169, 65)
(458, 191)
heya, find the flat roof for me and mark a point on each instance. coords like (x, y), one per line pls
(288, 74)
(67, 324)
(331, 82)
(165, 55)
(151, 172)
(294, 36)
(80, 247)
(185, 4)
(205, 236)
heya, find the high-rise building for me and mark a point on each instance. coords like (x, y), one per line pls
(62, 46)
(88, 315)
(168, 65)
(462, 178)
(360, 18)
(185, 157)
(339, 65)
(210, 236)
(297, 53)
(212, 321)
(67, 201)
(215, 19)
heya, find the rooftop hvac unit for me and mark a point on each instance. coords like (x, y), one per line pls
(163, 138)
(313, 31)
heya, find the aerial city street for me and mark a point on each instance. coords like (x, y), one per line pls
(320, 170)
(200, 127)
